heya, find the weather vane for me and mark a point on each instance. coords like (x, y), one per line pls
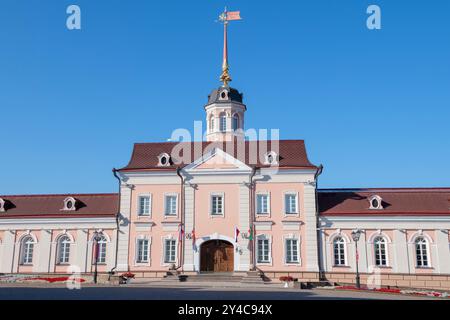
(224, 18)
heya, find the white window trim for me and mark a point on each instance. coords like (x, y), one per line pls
(428, 248)
(268, 214)
(160, 157)
(289, 237)
(297, 213)
(163, 243)
(345, 251)
(387, 240)
(211, 195)
(172, 194)
(274, 158)
(264, 237)
(149, 214)
(58, 249)
(145, 263)
(22, 244)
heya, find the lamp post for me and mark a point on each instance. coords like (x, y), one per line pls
(355, 235)
(97, 238)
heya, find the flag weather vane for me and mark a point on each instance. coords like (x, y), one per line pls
(225, 17)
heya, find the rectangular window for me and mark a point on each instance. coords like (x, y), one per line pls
(27, 257)
(216, 205)
(263, 251)
(144, 205)
(262, 203)
(170, 251)
(223, 123)
(142, 250)
(171, 205)
(101, 255)
(290, 203)
(292, 251)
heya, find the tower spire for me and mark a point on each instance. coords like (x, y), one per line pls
(225, 17)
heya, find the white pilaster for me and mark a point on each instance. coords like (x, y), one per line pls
(43, 261)
(400, 262)
(309, 203)
(189, 200)
(124, 228)
(244, 217)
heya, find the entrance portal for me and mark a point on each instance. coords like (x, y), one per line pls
(216, 256)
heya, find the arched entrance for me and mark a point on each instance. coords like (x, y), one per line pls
(216, 256)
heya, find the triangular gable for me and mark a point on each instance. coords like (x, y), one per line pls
(217, 159)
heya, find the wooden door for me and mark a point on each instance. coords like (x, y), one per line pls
(217, 256)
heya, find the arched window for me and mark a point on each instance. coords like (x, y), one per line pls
(235, 122)
(63, 249)
(339, 251)
(26, 256)
(422, 252)
(100, 251)
(380, 250)
(223, 122)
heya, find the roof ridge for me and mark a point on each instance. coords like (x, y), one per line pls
(406, 189)
(59, 195)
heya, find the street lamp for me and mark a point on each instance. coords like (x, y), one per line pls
(355, 236)
(97, 237)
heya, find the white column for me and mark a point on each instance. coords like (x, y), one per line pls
(42, 263)
(124, 228)
(81, 247)
(399, 256)
(189, 211)
(309, 203)
(244, 217)
(442, 252)
(8, 244)
(364, 261)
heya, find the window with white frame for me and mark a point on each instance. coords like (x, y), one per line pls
(235, 122)
(144, 205)
(101, 250)
(217, 204)
(262, 203)
(422, 260)
(263, 249)
(339, 251)
(170, 205)
(170, 250)
(380, 250)
(223, 123)
(64, 250)
(290, 203)
(142, 250)
(292, 250)
(27, 250)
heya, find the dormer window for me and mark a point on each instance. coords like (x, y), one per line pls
(375, 202)
(271, 158)
(2, 205)
(224, 95)
(164, 160)
(70, 204)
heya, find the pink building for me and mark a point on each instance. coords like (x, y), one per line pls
(231, 205)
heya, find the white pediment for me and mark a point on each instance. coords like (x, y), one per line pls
(217, 160)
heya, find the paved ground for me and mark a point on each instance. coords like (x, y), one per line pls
(141, 292)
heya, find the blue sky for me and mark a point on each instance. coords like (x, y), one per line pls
(372, 106)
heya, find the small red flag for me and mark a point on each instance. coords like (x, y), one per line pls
(233, 15)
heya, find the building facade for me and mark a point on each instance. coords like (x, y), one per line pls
(228, 204)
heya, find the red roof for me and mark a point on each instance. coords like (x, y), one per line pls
(51, 205)
(292, 153)
(395, 201)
